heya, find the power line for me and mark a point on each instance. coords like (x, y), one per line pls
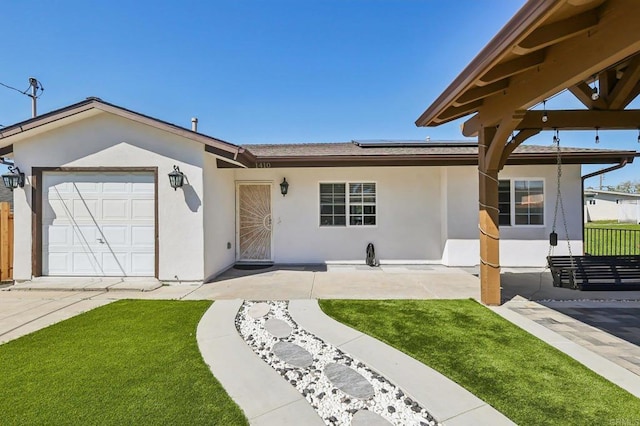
(24, 92)
(34, 85)
(38, 86)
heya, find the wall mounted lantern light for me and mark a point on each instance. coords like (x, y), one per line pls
(595, 95)
(284, 187)
(176, 178)
(13, 179)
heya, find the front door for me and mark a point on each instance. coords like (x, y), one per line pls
(254, 222)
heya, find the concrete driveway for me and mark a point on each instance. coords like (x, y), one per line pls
(22, 312)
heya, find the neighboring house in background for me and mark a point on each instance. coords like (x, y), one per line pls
(611, 205)
(98, 201)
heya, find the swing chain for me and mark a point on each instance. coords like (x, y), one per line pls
(556, 143)
(559, 203)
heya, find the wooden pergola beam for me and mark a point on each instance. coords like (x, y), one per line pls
(513, 67)
(581, 120)
(516, 141)
(563, 44)
(632, 95)
(579, 57)
(557, 31)
(455, 112)
(607, 81)
(481, 92)
(489, 237)
(500, 137)
(624, 87)
(583, 92)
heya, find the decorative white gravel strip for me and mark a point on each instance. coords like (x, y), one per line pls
(333, 405)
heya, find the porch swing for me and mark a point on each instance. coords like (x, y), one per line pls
(620, 272)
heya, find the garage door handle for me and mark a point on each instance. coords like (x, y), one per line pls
(100, 240)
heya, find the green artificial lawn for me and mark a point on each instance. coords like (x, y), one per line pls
(130, 362)
(612, 224)
(521, 376)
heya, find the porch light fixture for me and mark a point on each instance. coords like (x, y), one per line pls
(13, 179)
(594, 90)
(597, 136)
(176, 178)
(545, 117)
(284, 187)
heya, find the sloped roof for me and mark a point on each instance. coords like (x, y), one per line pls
(354, 153)
(604, 192)
(11, 133)
(423, 153)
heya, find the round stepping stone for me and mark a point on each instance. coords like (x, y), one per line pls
(293, 354)
(277, 327)
(349, 381)
(368, 418)
(259, 310)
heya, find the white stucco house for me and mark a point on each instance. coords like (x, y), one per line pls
(611, 205)
(97, 199)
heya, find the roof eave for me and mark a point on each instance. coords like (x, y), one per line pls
(97, 104)
(526, 158)
(499, 46)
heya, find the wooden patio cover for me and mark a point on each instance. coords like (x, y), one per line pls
(547, 47)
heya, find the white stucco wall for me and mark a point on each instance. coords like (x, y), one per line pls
(618, 207)
(408, 215)
(424, 214)
(106, 140)
(219, 217)
(605, 208)
(519, 245)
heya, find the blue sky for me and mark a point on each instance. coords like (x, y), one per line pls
(257, 71)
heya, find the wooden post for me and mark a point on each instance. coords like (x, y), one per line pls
(488, 223)
(5, 242)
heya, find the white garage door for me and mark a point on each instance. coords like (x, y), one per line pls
(98, 224)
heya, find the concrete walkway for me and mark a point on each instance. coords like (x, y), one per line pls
(611, 357)
(245, 376)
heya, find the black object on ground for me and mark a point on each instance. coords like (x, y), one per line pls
(251, 266)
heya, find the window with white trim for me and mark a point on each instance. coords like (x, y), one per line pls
(348, 204)
(521, 202)
(332, 204)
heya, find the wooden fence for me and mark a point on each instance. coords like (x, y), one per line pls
(6, 242)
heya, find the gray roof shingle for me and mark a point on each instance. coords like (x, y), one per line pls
(395, 148)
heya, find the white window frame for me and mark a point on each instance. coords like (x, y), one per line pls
(512, 201)
(346, 184)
